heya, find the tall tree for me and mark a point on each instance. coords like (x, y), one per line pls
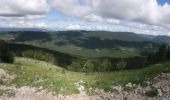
(162, 53)
(6, 55)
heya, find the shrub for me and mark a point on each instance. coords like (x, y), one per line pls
(75, 66)
(88, 66)
(106, 65)
(121, 65)
(152, 93)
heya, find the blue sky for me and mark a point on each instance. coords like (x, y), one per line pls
(139, 16)
(162, 2)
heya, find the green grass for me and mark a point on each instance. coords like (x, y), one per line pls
(37, 73)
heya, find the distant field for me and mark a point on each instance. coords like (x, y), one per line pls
(31, 72)
(85, 52)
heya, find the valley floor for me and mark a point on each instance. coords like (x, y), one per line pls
(29, 79)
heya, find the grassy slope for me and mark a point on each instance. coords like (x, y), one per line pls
(37, 73)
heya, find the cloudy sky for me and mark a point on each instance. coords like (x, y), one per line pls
(140, 16)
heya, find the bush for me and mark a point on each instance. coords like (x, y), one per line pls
(152, 93)
(75, 66)
(88, 67)
(121, 65)
(106, 65)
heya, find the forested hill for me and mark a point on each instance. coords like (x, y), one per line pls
(86, 43)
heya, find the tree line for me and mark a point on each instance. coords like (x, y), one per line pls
(104, 65)
(162, 55)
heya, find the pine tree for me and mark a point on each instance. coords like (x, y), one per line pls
(6, 55)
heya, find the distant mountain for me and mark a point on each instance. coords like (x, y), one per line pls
(150, 37)
(159, 38)
(124, 36)
(31, 34)
(163, 38)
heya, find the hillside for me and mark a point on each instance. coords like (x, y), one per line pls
(42, 75)
(86, 43)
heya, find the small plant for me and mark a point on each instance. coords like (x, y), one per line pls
(63, 71)
(125, 98)
(8, 93)
(18, 67)
(152, 93)
(1, 82)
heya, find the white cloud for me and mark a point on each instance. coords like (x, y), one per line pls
(113, 21)
(24, 24)
(73, 27)
(23, 8)
(140, 16)
(26, 17)
(93, 17)
(97, 18)
(145, 11)
(71, 7)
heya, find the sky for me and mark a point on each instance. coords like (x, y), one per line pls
(139, 16)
